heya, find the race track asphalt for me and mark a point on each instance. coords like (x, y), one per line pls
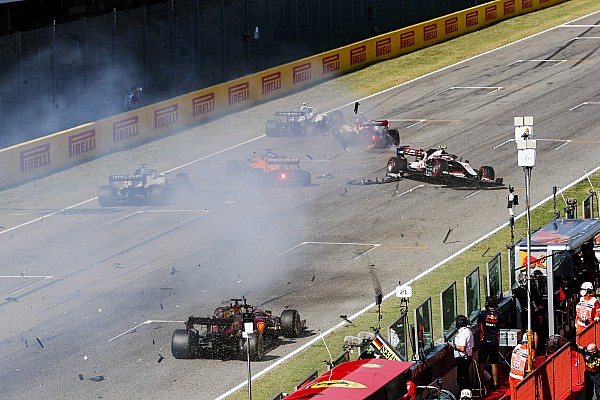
(91, 295)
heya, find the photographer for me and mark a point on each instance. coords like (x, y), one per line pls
(463, 352)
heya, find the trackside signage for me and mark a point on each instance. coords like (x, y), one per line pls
(203, 105)
(62, 149)
(34, 158)
(451, 25)
(358, 55)
(82, 142)
(125, 129)
(239, 93)
(509, 7)
(383, 47)
(491, 13)
(271, 83)
(430, 32)
(407, 39)
(166, 116)
(302, 73)
(472, 19)
(331, 64)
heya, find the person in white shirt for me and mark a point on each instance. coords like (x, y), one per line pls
(463, 352)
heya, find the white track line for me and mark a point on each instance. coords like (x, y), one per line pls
(150, 321)
(96, 198)
(584, 104)
(410, 282)
(410, 190)
(473, 194)
(367, 308)
(331, 243)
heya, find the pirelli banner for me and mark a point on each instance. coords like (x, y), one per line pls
(49, 154)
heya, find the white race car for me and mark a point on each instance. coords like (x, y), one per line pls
(437, 165)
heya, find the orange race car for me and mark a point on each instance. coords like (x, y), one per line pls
(269, 169)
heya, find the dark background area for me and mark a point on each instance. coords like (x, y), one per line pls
(64, 63)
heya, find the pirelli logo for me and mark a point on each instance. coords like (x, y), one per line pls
(36, 157)
(125, 129)
(204, 104)
(82, 142)
(430, 32)
(383, 47)
(271, 83)
(331, 63)
(358, 55)
(472, 18)
(509, 7)
(407, 39)
(451, 25)
(238, 93)
(491, 13)
(302, 72)
(544, 1)
(527, 4)
(166, 116)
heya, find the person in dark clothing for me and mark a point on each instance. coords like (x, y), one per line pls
(132, 99)
(490, 321)
(520, 293)
(591, 357)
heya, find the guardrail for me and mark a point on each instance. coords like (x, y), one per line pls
(49, 154)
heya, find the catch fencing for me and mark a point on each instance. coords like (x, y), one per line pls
(72, 73)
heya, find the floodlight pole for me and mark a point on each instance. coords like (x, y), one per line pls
(526, 146)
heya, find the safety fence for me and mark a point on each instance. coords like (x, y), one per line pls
(40, 157)
(553, 379)
(589, 335)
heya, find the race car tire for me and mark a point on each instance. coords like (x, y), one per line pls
(304, 178)
(105, 196)
(394, 136)
(290, 324)
(397, 165)
(233, 169)
(180, 344)
(439, 167)
(272, 128)
(335, 133)
(336, 118)
(255, 343)
(487, 173)
(156, 195)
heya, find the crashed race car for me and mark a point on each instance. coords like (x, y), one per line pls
(220, 335)
(375, 134)
(302, 122)
(438, 166)
(269, 169)
(144, 186)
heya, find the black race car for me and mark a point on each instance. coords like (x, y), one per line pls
(220, 335)
(438, 166)
(144, 186)
(302, 122)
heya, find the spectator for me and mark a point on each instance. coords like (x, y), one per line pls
(490, 321)
(463, 352)
(411, 387)
(591, 375)
(588, 308)
(518, 364)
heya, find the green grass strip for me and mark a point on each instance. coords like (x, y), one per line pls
(396, 71)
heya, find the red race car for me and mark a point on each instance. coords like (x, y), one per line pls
(220, 335)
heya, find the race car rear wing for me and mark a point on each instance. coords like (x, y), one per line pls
(284, 161)
(292, 114)
(189, 324)
(405, 150)
(127, 177)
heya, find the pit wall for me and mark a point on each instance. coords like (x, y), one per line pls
(40, 157)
